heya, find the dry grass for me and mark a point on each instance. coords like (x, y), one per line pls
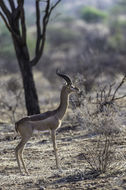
(78, 144)
(40, 160)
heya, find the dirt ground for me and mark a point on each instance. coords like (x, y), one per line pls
(40, 161)
(72, 141)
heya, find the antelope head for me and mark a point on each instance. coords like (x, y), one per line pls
(69, 85)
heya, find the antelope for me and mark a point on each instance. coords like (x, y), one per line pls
(49, 120)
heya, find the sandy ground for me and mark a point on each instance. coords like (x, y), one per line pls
(40, 161)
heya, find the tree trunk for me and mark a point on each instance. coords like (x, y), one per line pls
(14, 19)
(31, 98)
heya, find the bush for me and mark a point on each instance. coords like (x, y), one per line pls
(99, 154)
(91, 14)
(101, 121)
(11, 99)
(117, 38)
(61, 35)
(117, 42)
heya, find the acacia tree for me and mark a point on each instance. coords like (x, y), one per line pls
(12, 13)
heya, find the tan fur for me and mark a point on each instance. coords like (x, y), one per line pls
(50, 120)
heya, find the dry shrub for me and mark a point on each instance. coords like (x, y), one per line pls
(98, 112)
(100, 117)
(106, 123)
(13, 86)
(99, 154)
(11, 99)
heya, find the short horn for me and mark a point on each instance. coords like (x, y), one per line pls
(67, 79)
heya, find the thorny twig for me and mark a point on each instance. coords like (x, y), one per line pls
(105, 98)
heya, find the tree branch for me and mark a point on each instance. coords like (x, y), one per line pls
(42, 37)
(120, 97)
(53, 6)
(9, 27)
(17, 11)
(108, 99)
(121, 83)
(38, 26)
(5, 10)
(12, 5)
(23, 25)
(5, 21)
(7, 18)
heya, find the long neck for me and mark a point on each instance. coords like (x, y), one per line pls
(64, 102)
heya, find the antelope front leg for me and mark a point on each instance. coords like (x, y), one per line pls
(53, 136)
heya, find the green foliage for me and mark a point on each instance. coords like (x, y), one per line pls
(117, 25)
(119, 8)
(58, 35)
(117, 42)
(6, 45)
(91, 14)
(31, 39)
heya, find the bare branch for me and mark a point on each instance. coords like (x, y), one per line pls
(120, 97)
(110, 89)
(39, 51)
(38, 26)
(107, 99)
(7, 15)
(16, 13)
(5, 10)
(12, 5)
(23, 25)
(5, 21)
(9, 27)
(121, 83)
(53, 7)
(41, 36)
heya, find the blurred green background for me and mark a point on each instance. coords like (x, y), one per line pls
(88, 37)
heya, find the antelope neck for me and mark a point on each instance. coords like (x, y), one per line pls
(64, 97)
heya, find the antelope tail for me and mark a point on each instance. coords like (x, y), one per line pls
(16, 130)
